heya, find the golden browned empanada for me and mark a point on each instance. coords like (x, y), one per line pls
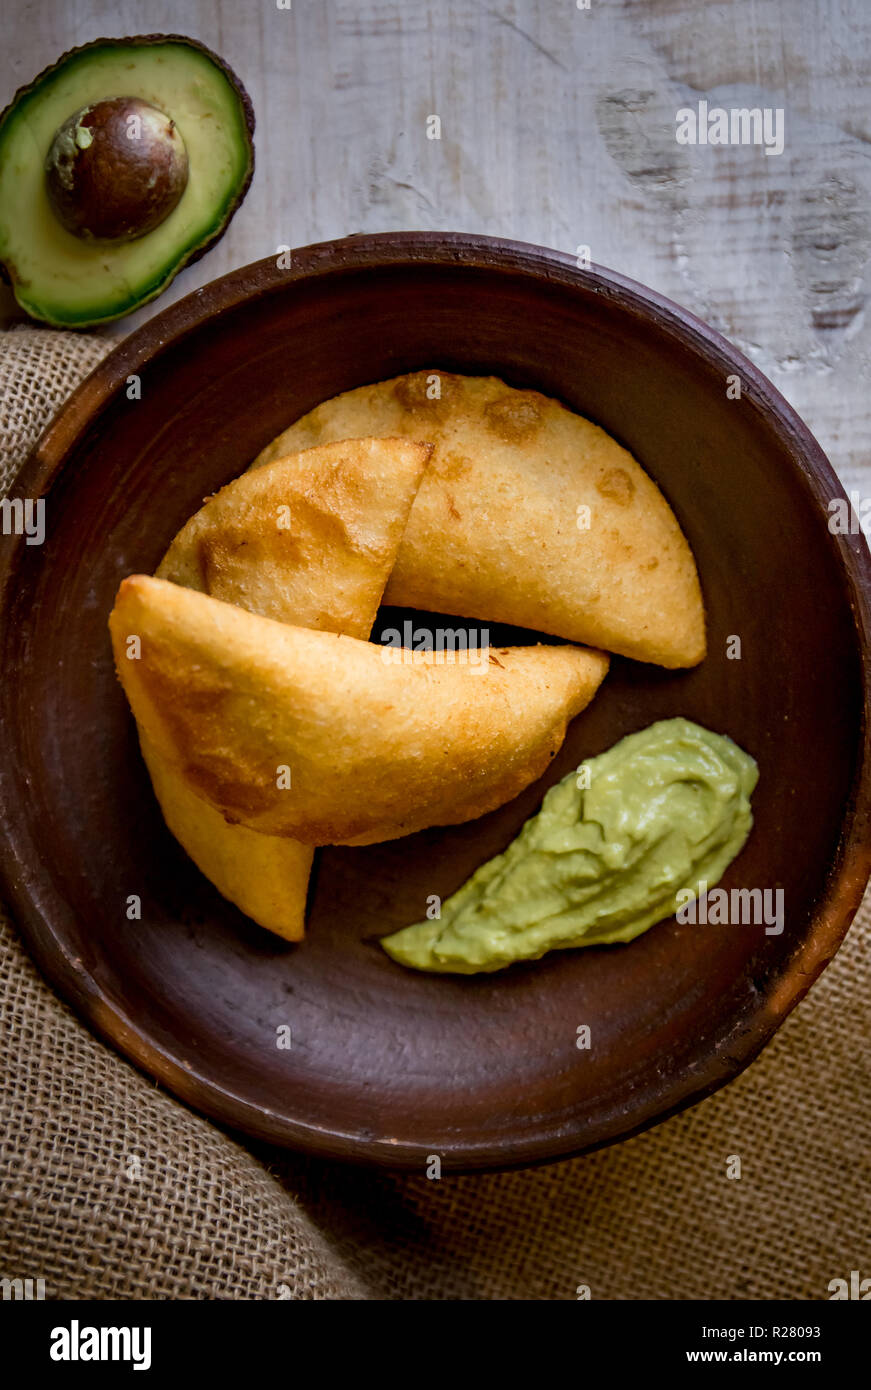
(528, 514)
(329, 739)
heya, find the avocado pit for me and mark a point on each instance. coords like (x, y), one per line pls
(115, 170)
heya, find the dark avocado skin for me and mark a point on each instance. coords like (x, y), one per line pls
(143, 40)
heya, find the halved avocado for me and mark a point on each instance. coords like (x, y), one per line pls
(72, 279)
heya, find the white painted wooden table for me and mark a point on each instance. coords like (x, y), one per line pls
(558, 127)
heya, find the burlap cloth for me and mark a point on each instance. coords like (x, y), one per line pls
(213, 1217)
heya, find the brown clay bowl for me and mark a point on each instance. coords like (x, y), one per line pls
(388, 1066)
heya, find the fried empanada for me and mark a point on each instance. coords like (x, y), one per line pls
(310, 540)
(528, 514)
(329, 739)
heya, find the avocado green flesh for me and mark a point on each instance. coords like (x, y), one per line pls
(666, 808)
(64, 280)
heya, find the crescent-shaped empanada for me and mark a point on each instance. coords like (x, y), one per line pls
(528, 514)
(333, 740)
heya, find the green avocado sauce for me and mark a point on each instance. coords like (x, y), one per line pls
(603, 859)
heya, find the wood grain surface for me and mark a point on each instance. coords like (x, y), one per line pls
(557, 127)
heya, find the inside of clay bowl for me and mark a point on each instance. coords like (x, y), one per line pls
(388, 1065)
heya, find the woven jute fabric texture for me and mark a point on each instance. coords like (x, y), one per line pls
(111, 1189)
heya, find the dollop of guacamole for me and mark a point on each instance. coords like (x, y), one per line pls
(603, 860)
